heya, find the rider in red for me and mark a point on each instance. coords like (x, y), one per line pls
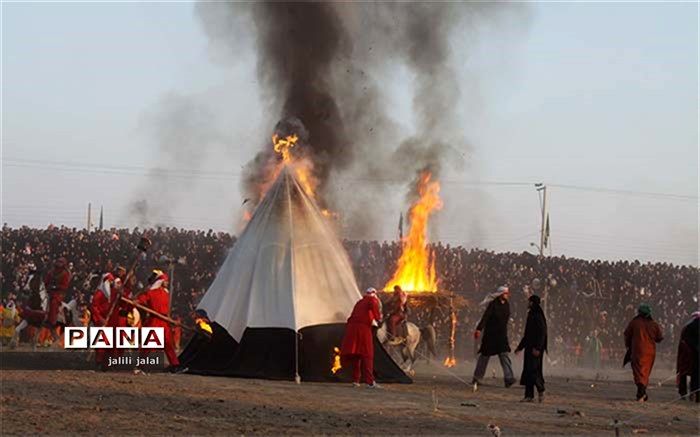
(358, 344)
(397, 317)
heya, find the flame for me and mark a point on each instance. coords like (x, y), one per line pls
(336, 361)
(203, 325)
(283, 146)
(416, 270)
(302, 167)
(450, 361)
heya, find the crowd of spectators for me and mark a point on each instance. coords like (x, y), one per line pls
(588, 303)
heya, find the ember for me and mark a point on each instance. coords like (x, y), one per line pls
(416, 267)
(336, 361)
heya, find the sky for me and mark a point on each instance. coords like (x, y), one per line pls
(599, 101)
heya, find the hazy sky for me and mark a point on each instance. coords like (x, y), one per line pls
(598, 95)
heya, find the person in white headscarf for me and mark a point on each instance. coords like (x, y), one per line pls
(494, 324)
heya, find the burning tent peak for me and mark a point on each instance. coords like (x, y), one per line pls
(415, 271)
(290, 149)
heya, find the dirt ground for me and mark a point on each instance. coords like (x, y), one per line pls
(87, 402)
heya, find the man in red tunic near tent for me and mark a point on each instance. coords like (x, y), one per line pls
(358, 344)
(57, 282)
(157, 298)
(641, 337)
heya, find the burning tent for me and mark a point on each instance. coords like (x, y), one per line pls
(278, 304)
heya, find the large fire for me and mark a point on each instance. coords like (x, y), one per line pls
(415, 271)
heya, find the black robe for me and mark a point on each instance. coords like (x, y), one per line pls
(535, 337)
(494, 324)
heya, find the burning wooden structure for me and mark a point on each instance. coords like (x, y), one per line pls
(435, 308)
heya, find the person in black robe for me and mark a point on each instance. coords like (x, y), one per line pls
(494, 324)
(534, 343)
(687, 359)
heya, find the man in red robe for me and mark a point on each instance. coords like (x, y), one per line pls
(157, 298)
(102, 301)
(641, 337)
(357, 348)
(56, 282)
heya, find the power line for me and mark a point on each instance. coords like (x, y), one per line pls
(626, 192)
(213, 174)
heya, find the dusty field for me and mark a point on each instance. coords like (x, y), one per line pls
(86, 402)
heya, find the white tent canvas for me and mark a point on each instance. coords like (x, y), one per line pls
(287, 270)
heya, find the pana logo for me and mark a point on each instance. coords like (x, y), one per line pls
(108, 338)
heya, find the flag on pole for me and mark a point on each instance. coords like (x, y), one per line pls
(401, 226)
(546, 232)
(101, 217)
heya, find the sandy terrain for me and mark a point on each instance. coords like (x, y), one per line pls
(60, 402)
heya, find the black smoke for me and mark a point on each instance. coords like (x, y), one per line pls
(326, 64)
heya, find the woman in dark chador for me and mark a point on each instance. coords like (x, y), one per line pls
(534, 343)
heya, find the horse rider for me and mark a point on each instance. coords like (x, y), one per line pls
(399, 311)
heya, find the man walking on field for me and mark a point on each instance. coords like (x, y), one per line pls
(494, 324)
(641, 337)
(534, 343)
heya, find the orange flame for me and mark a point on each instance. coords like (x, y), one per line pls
(302, 167)
(336, 361)
(203, 325)
(284, 145)
(416, 270)
(450, 361)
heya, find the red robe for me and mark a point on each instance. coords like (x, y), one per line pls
(56, 284)
(641, 337)
(99, 309)
(358, 340)
(158, 299)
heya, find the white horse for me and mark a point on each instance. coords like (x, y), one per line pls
(405, 354)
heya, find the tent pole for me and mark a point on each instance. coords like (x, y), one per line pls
(297, 377)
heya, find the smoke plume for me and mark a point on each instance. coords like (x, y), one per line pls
(326, 64)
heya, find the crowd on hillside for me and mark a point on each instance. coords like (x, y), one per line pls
(588, 303)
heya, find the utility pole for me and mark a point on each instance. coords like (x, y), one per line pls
(89, 217)
(544, 229)
(543, 206)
